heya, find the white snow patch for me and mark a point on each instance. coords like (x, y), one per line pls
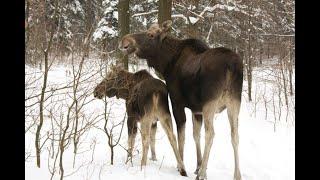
(264, 154)
(193, 19)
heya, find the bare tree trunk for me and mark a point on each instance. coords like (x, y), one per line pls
(111, 148)
(268, 50)
(53, 134)
(280, 102)
(283, 75)
(27, 23)
(109, 133)
(249, 69)
(104, 50)
(274, 114)
(76, 81)
(290, 67)
(261, 51)
(62, 141)
(45, 77)
(90, 19)
(250, 56)
(54, 155)
(75, 87)
(279, 96)
(124, 22)
(266, 108)
(164, 14)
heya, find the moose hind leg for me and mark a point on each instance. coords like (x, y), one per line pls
(153, 141)
(180, 119)
(233, 113)
(208, 114)
(197, 124)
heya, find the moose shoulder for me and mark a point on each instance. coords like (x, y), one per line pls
(206, 80)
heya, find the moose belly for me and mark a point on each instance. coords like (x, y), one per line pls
(192, 97)
(197, 93)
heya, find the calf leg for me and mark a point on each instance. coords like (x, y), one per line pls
(145, 135)
(132, 132)
(233, 113)
(153, 141)
(197, 123)
(166, 123)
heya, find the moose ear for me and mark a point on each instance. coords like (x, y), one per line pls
(166, 25)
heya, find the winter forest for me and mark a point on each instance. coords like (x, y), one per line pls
(72, 45)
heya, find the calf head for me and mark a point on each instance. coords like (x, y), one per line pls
(117, 83)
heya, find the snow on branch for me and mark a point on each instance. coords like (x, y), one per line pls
(145, 13)
(211, 9)
(180, 16)
(199, 16)
(279, 35)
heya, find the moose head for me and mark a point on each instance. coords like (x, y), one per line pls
(145, 44)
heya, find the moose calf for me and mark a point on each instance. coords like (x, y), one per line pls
(146, 102)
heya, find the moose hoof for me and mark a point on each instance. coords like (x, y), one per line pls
(183, 172)
(237, 177)
(196, 171)
(153, 159)
(201, 175)
(200, 178)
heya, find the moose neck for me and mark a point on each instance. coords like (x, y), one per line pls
(166, 56)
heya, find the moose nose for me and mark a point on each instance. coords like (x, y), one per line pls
(121, 47)
(124, 44)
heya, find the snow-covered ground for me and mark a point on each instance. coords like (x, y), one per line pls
(266, 149)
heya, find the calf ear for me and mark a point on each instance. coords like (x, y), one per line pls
(165, 27)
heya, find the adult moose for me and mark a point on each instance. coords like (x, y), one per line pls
(146, 102)
(206, 80)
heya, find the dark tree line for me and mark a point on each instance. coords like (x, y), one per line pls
(251, 28)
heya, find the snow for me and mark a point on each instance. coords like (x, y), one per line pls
(180, 16)
(113, 3)
(109, 9)
(264, 154)
(193, 19)
(105, 2)
(104, 30)
(144, 22)
(152, 1)
(76, 7)
(115, 15)
(138, 8)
